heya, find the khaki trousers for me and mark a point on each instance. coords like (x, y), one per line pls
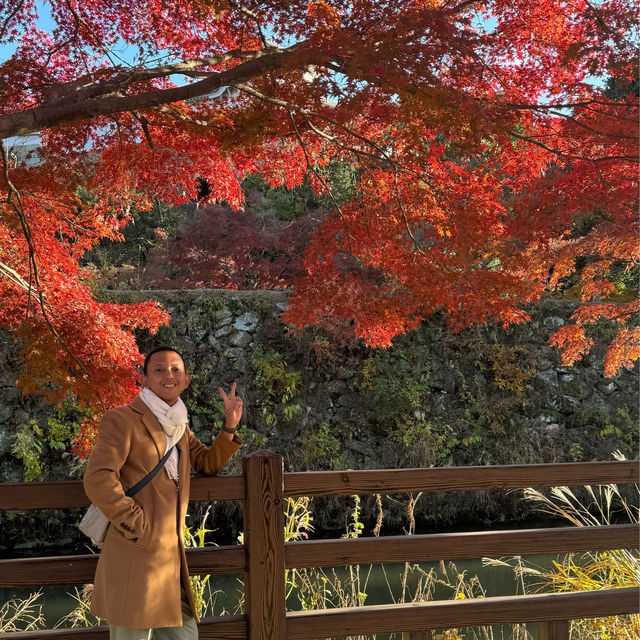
(188, 630)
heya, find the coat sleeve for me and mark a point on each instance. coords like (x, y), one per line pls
(209, 460)
(102, 476)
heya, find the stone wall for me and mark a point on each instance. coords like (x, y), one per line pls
(482, 396)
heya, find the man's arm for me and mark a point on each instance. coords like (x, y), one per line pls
(102, 477)
(209, 460)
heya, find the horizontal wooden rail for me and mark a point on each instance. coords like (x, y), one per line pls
(70, 493)
(452, 546)
(225, 628)
(321, 483)
(80, 569)
(330, 623)
(210, 489)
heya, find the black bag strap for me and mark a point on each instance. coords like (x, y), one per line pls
(149, 477)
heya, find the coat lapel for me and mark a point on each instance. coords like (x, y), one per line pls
(151, 424)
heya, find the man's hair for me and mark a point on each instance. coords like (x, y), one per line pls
(157, 350)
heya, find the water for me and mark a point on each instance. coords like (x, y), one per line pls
(382, 586)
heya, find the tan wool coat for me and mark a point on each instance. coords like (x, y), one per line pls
(142, 562)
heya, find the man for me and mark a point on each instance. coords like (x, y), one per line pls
(142, 584)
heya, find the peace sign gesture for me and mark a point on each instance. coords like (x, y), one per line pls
(232, 407)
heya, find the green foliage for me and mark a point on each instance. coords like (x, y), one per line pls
(320, 449)
(291, 203)
(27, 446)
(576, 452)
(139, 237)
(31, 442)
(273, 376)
(210, 304)
(64, 424)
(355, 526)
(625, 281)
(252, 437)
(278, 385)
(508, 373)
(394, 384)
(288, 204)
(410, 432)
(619, 432)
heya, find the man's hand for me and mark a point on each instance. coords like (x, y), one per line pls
(232, 407)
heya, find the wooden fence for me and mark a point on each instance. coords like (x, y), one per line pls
(264, 557)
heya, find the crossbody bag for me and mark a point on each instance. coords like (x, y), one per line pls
(94, 523)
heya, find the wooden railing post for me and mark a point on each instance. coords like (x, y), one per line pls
(557, 630)
(264, 544)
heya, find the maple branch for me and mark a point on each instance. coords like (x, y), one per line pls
(144, 123)
(255, 18)
(174, 113)
(404, 214)
(10, 17)
(588, 128)
(461, 6)
(563, 105)
(327, 188)
(79, 89)
(307, 114)
(73, 37)
(33, 267)
(15, 277)
(51, 115)
(561, 153)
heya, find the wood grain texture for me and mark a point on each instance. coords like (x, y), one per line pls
(70, 493)
(224, 559)
(42, 495)
(558, 630)
(225, 628)
(499, 610)
(264, 543)
(80, 569)
(450, 546)
(212, 488)
(312, 483)
(417, 635)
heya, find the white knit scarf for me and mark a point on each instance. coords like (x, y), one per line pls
(174, 420)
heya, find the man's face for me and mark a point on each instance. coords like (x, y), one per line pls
(166, 376)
